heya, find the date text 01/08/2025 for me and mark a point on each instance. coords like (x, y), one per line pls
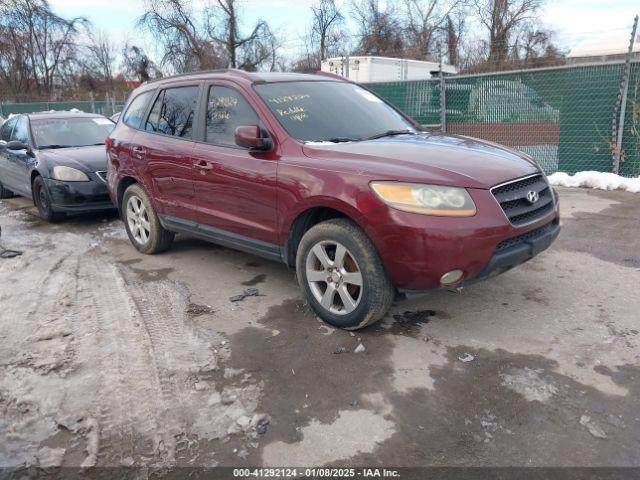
(326, 472)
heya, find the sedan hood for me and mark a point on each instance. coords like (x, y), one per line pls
(86, 159)
(427, 158)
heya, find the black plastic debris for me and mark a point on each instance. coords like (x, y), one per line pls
(249, 292)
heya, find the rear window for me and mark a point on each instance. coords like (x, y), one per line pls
(138, 106)
(173, 112)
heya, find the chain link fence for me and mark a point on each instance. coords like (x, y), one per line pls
(107, 108)
(561, 116)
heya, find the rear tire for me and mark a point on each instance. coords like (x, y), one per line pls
(142, 223)
(42, 201)
(5, 193)
(342, 275)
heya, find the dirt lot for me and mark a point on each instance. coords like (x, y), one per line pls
(109, 357)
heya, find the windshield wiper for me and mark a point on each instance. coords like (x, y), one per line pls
(342, 140)
(391, 133)
(44, 147)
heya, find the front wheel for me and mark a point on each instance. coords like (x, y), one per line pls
(43, 201)
(142, 223)
(342, 275)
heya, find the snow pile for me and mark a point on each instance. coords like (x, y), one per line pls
(599, 180)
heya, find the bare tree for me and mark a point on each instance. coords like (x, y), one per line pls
(455, 28)
(245, 52)
(185, 40)
(502, 19)
(379, 29)
(102, 56)
(425, 19)
(326, 21)
(47, 41)
(137, 64)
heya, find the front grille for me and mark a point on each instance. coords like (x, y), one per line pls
(512, 197)
(102, 176)
(525, 237)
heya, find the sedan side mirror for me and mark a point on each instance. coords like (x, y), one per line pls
(250, 136)
(17, 145)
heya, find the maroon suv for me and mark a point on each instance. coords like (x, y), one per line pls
(323, 175)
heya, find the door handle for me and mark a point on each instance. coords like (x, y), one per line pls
(203, 166)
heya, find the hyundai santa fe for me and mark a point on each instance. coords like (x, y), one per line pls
(325, 176)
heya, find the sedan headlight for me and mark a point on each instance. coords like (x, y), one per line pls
(68, 174)
(426, 199)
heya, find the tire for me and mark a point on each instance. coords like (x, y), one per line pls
(5, 193)
(42, 201)
(349, 306)
(142, 223)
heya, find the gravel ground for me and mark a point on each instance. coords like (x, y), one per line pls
(109, 357)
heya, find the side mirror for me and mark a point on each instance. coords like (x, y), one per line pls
(17, 145)
(250, 136)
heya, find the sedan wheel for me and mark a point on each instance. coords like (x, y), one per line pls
(138, 220)
(334, 277)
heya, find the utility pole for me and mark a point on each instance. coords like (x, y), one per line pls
(623, 100)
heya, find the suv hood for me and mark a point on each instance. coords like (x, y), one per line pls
(86, 159)
(428, 158)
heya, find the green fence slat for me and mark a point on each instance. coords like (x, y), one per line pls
(560, 116)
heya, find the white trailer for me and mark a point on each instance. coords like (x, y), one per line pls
(368, 69)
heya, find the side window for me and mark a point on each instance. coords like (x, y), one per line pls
(21, 131)
(133, 115)
(173, 112)
(226, 110)
(7, 128)
(152, 122)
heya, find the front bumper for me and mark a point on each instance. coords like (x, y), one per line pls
(515, 251)
(417, 250)
(79, 196)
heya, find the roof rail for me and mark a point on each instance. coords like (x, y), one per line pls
(332, 75)
(234, 71)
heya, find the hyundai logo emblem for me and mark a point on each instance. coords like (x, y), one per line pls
(533, 197)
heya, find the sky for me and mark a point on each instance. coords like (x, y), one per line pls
(581, 26)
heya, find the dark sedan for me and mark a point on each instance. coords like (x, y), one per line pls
(57, 159)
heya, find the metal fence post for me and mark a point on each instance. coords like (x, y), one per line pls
(443, 100)
(623, 100)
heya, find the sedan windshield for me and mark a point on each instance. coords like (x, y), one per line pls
(70, 132)
(319, 111)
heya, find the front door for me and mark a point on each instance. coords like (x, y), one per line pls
(16, 163)
(235, 186)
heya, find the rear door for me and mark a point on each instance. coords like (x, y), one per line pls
(167, 146)
(235, 186)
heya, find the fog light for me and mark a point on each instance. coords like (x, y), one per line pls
(451, 277)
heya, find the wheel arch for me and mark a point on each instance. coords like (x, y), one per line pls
(124, 183)
(306, 219)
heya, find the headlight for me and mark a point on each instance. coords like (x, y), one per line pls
(426, 199)
(68, 174)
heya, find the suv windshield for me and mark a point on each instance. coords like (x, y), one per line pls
(317, 111)
(70, 132)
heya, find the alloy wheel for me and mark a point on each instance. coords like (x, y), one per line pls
(138, 220)
(334, 277)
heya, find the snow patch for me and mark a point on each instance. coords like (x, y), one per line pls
(598, 180)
